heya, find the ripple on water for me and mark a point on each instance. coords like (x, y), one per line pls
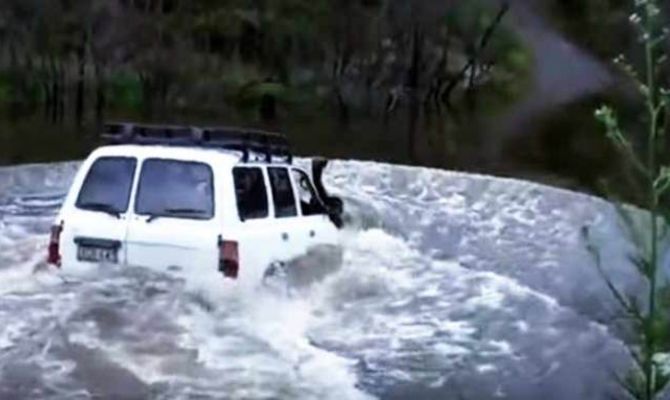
(436, 293)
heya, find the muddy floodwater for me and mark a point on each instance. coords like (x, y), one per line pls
(449, 285)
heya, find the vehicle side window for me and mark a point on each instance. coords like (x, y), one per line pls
(309, 201)
(177, 189)
(107, 185)
(251, 193)
(282, 193)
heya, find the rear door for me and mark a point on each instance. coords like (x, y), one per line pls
(95, 222)
(292, 230)
(257, 231)
(173, 224)
(317, 227)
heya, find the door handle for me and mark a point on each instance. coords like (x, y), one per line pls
(312, 233)
(284, 236)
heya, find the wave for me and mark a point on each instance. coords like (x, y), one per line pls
(447, 285)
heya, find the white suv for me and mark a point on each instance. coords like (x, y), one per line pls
(196, 199)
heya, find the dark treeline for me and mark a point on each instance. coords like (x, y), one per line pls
(600, 25)
(398, 65)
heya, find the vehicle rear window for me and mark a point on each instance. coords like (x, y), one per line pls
(251, 193)
(282, 193)
(177, 189)
(309, 201)
(107, 185)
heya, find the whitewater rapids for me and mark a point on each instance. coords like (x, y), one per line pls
(450, 286)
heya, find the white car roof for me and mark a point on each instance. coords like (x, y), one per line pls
(201, 154)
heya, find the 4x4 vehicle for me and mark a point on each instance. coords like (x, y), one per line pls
(195, 199)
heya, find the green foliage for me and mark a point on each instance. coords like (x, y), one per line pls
(505, 50)
(516, 62)
(648, 313)
(5, 88)
(125, 90)
(471, 19)
(518, 58)
(251, 95)
(80, 61)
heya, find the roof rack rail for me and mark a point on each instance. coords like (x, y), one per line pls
(246, 141)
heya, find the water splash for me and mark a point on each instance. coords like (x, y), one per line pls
(446, 285)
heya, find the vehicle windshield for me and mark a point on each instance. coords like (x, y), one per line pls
(107, 185)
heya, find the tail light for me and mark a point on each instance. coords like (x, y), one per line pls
(229, 258)
(54, 257)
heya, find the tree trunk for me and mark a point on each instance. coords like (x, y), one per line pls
(147, 95)
(343, 108)
(100, 98)
(15, 89)
(46, 87)
(164, 91)
(81, 77)
(61, 93)
(339, 67)
(54, 95)
(413, 78)
(369, 81)
(471, 91)
(473, 57)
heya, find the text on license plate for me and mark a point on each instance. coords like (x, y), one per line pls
(97, 254)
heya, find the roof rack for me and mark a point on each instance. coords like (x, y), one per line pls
(246, 141)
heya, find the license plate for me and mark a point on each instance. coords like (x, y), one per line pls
(97, 254)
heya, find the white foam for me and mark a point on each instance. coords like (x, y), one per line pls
(451, 267)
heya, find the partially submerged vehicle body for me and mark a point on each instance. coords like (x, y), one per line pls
(192, 199)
